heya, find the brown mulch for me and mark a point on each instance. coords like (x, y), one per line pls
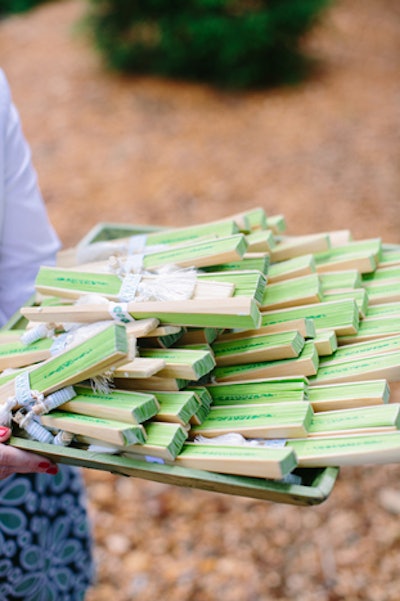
(326, 154)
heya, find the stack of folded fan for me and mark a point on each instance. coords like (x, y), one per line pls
(228, 347)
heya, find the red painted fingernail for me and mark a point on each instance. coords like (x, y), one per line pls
(44, 465)
(48, 467)
(53, 469)
(4, 430)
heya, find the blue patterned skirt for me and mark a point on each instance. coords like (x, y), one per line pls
(45, 543)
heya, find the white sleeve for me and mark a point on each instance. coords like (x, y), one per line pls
(27, 239)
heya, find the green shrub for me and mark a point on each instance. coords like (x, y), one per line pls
(17, 6)
(234, 43)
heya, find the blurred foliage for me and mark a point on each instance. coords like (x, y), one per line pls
(231, 43)
(17, 6)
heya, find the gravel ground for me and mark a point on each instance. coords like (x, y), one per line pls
(325, 154)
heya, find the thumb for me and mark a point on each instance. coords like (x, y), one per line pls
(5, 433)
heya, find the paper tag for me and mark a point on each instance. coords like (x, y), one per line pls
(133, 264)
(129, 287)
(23, 389)
(59, 344)
(137, 244)
(59, 397)
(36, 333)
(119, 312)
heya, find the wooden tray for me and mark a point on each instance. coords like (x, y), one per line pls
(317, 484)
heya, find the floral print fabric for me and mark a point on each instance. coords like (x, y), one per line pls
(45, 547)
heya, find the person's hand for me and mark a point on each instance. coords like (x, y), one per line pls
(14, 460)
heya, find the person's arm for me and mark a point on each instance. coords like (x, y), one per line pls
(27, 239)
